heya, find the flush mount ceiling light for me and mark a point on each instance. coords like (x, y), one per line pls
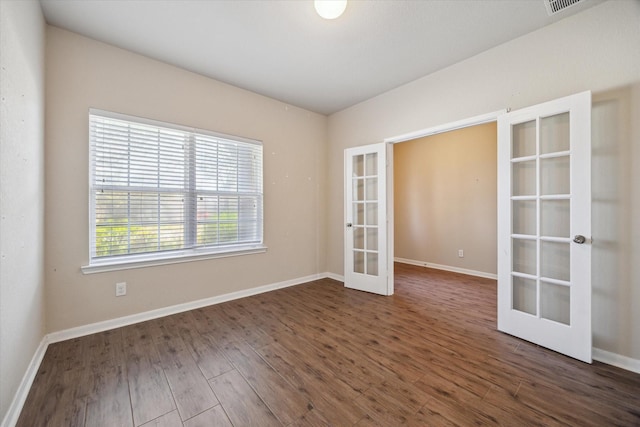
(330, 9)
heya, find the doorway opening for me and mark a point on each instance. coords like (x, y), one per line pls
(445, 201)
(414, 251)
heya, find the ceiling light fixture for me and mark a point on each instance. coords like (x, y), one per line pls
(330, 9)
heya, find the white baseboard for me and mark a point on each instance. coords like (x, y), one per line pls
(174, 309)
(11, 417)
(624, 362)
(13, 413)
(334, 276)
(448, 268)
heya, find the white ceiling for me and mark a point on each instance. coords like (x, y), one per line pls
(283, 50)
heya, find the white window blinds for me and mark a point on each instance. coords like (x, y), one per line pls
(157, 188)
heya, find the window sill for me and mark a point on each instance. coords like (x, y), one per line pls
(170, 258)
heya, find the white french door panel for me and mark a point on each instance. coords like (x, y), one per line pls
(366, 231)
(544, 225)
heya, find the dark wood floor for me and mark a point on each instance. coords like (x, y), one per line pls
(319, 354)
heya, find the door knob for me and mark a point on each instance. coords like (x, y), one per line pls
(579, 239)
(349, 225)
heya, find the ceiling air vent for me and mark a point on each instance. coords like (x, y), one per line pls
(555, 6)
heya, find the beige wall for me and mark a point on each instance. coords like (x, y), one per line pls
(595, 50)
(445, 199)
(83, 74)
(22, 314)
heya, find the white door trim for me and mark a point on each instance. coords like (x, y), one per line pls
(434, 130)
(447, 127)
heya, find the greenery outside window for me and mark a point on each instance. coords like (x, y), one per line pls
(160, 191)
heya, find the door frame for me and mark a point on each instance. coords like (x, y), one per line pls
(433, 130)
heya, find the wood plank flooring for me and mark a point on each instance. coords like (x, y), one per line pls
(319, 354)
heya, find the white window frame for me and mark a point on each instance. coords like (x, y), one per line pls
(193, 252)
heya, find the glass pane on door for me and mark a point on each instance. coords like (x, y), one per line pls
(524, 139)
(372, 239)
(554, 261)
(524, 217)
(358, 237)
(554, 302)
(372, 263)
(524, 293)
(358, 165)
(554, 176)
(358, 189)
(372, 164)
(358, 261)
(554, 133)
(524, 256)
(540, 210)
(372, 214)
(555, 218)
(524, 178)
(372, 188)
(358, 213)
(365, 213)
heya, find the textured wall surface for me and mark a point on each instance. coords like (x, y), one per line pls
(22, 313)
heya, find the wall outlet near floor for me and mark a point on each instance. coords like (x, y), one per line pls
(460, 253)
(121, 289)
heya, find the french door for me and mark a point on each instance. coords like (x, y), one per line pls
(366, 233)
(544, 225)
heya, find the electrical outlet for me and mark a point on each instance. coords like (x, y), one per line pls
(460, 253)
(121, 289)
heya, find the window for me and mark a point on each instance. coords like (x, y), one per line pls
(161, 191)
